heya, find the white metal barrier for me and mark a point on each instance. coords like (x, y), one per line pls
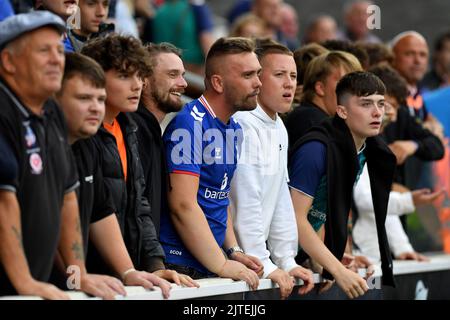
(219, 286)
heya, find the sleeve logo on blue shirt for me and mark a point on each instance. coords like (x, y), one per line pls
(197, 115)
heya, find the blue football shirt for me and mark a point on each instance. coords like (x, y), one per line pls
(198, 143)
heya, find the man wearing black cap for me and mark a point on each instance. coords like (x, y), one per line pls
(31, 69)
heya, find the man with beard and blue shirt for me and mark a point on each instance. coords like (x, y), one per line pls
(201, 151)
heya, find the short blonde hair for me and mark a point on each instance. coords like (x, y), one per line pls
(244, 20)
(322, 66)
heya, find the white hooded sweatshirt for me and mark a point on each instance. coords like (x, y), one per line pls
(260, 201)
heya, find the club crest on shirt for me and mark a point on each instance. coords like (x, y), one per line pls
(217, 153)
(36, 163)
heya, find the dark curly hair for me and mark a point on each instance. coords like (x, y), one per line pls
(124, 54)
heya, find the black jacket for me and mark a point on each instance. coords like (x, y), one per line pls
(301, 119)
(342, 168)
(151, 150)
(133, 209)
(407, 128)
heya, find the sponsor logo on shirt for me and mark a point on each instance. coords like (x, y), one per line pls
(224, 182)
(317, 214)
(219, 195)
(176, 252)
(89, 179)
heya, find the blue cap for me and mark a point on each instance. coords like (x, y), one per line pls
(14, 26)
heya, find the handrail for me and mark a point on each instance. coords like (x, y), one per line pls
(219, 286)
(208, 287)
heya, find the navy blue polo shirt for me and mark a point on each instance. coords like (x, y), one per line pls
(47, 172)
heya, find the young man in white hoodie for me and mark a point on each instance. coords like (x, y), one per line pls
(260, 202)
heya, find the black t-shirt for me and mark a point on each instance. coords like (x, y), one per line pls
(8, 167)
(301, 119)
(94, 198)
(46, 173)
(152, 153)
